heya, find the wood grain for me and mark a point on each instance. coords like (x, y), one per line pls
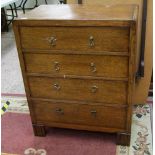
(74, 85)
(76, 89)
(93, 115)
(22, 65)
(76, 38)
(39, 130)
(73, 13)
(123, 138)
(77, 77)
(142, 86)
(82, 65)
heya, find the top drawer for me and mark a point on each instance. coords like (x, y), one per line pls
(99, 39)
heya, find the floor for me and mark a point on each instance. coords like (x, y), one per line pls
(11, 77)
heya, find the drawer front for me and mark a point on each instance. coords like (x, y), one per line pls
(93, 115)
(47, 112)
(84, 39)
(100, 115)
(84, 65)
(78, 89)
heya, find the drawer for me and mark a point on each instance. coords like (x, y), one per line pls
(100, 115)
(93, 115)
(78, 89)
(98, 39)
(84, 65)
(55, 112)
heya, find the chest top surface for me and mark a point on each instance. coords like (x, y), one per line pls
(75, 13)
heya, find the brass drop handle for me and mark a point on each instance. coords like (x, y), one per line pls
(52, 40)
(56, 86)
(56, 66)
(93, 113)
(93, 67)
(91, 41)
(59, 111)
(94, 89)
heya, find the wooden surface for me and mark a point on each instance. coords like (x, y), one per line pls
(123, 138)
(142, 86)
(93, 100)
(94, 115)
(74, 64)
(76, 39)
(81, 90)
(73, 12)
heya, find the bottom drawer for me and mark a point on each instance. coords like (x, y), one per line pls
(84, 114)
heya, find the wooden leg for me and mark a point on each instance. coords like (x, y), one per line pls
(123, 139)
(39, 130)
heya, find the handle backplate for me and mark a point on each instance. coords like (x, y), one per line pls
(56, 86)
(91, 41)
(94, 89)
(52, 40)
(93, 67)
(56, 66)
(59, 111)
(93, 113)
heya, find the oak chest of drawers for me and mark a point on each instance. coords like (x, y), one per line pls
(78, 66)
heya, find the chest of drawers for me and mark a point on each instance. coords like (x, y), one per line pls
(78, 66)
